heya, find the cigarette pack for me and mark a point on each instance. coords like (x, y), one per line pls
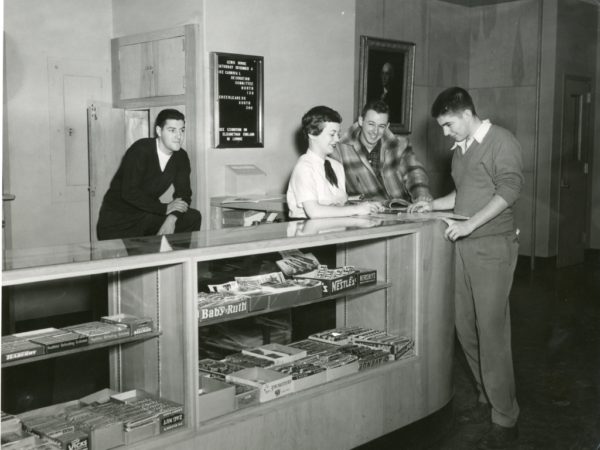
(276, 353)
(333, 280)
(270, 384)
(15, 348)
(137, 325)
(215, 398)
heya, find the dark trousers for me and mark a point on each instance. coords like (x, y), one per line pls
(144, 224)
(484, 275)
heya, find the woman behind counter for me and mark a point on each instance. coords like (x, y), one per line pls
(317, 187)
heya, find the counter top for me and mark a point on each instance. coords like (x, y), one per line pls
(102, 256)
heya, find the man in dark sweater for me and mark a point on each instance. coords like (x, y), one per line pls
(487, 173)
(132, 206)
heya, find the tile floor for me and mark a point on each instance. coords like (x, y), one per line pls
(556, 350)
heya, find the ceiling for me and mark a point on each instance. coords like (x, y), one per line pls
(477, 2)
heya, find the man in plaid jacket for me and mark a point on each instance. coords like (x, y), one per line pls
(378, 164)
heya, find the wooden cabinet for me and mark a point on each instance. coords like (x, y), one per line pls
(412, 298)
(153, 67)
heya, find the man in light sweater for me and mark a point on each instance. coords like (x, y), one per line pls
(487, 173)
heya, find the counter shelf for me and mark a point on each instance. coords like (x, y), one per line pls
(361, 290)
(84, 348)
(413, 298)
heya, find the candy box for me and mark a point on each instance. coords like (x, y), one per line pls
(215, 398)
(270, 384)
(333, 280)
(276, 353)
(137, 325)
(366, 276)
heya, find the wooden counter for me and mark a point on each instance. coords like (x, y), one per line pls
(158, 277)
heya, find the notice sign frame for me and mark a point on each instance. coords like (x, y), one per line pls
(238, 100)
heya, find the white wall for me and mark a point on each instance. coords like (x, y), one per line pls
(308, 50)
(36, 31)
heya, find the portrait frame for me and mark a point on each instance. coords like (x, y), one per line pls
(393, 62)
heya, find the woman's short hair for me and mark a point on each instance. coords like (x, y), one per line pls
(313, 122)
(165, 115)
(452, 100)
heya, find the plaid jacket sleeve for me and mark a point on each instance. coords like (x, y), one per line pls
(414, 176)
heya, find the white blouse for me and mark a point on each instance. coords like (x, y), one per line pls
(308, 182)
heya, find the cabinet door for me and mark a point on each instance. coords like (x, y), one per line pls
(136, 70)
(169, 66)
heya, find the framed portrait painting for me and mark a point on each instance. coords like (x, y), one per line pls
(387, 73)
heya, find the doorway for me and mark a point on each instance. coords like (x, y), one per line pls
(574, 168)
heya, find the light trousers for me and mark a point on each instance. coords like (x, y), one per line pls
(484, 273)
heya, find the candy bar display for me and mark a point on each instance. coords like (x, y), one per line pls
(270, 384)
(337, 336)
(333, 280)
(218, 305)
(217, 369)
(336, 363)
(313, 347)
(247, 361)
(100, 331)
(15, 348)
(366, 276)
(216, 398)
(304, 374)
(276, 353)
(396, 346)
(244, 395)
(54, 339)
(104, 430)
(367, 357)
(137, 325)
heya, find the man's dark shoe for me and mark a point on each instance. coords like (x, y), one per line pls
(499, 437)
(476, 414)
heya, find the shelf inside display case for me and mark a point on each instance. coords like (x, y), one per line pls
(84, 348)
(361, 290)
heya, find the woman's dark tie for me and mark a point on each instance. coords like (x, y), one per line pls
(330, 174)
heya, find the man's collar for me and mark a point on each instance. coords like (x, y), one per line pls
(478, 136)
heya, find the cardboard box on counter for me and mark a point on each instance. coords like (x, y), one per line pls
(245, 395)
(270, 384)
(276, 353)
(216, 398)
